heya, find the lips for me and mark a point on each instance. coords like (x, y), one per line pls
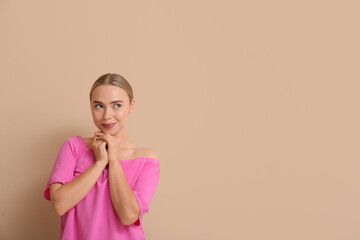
(108, 125)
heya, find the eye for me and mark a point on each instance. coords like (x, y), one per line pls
(98, 106)
(117, 105)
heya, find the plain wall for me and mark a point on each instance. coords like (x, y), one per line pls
(252, 107)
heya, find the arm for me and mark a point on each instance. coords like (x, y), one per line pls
(64, 197)
(122, 196)
(129, 204)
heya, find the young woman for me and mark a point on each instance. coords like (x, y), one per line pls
(102, 185)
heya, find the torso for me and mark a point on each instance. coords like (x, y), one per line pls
(131, 152)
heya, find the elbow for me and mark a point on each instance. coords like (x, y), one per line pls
(130, 219)
(60, 211)
(127, 222)
(56, 203)
(60, 214)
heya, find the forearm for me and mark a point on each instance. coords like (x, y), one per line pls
(122, 196)
(68, 195)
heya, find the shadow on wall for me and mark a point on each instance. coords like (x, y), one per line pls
(34, 217)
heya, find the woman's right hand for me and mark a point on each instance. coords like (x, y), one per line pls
(98, 147)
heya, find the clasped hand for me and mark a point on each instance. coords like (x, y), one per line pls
(98, 145)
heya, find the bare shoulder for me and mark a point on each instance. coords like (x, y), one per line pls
(147, 152)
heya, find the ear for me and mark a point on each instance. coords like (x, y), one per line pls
(132, 105)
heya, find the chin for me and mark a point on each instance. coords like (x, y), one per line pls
(110, 131)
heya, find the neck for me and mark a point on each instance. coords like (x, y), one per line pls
(121, 138)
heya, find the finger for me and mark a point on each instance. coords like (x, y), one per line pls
(102, 145)
(98, 138)
(93, 141)
(103, 137)
(108, 137)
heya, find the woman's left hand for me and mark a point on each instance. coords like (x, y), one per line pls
(112, 148)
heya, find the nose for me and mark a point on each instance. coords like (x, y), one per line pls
(107, 113)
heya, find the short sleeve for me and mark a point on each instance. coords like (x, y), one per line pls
(64, 166)
(146, 186)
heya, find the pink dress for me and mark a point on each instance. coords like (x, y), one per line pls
(94, 217)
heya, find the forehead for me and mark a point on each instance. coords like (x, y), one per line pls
(108, 93)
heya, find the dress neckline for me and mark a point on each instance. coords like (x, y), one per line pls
(84, 142)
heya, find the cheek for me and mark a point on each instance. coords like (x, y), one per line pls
(120, 115)
(117, 112)
(96, 115)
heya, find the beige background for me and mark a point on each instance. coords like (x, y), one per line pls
(252, 106)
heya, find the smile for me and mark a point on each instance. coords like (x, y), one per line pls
(109, 125)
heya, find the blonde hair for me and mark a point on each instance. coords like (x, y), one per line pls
(113, 79)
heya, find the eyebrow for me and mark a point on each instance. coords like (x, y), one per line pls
(95, 101)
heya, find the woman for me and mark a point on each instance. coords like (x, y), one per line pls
(102, 185)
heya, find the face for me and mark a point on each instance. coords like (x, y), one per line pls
(110, 108)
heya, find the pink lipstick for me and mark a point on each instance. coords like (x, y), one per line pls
(108, 125)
